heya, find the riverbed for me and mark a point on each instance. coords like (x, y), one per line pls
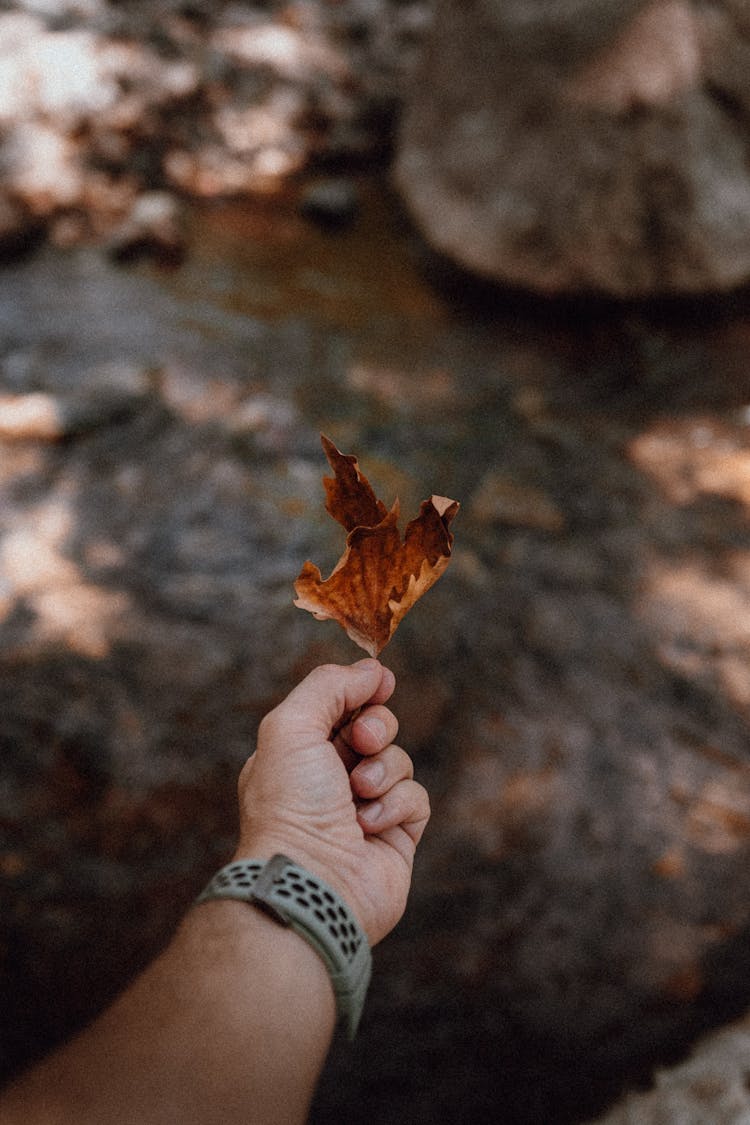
(575, 691)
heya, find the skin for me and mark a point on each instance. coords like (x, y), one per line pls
(232, 1023)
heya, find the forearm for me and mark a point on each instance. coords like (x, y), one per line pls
(231, 1024)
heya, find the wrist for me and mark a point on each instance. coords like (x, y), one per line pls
(228, 933)
(297, 899)
(332, 865)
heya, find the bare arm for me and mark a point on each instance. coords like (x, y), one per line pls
(233, 1022)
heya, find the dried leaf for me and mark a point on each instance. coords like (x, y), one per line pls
(380, 575)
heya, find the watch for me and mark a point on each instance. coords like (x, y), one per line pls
(294, 897)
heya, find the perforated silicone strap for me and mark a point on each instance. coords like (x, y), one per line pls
(296, 898)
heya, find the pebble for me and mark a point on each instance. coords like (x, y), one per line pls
(333, 204)
(499, 499)
(154, 226)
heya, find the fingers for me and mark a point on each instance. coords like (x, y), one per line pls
(376, 775)
(374, 729)
(387, 685)
(395, 807)
(400, 816)
(313, 709)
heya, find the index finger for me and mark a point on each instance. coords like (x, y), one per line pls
(325, 699)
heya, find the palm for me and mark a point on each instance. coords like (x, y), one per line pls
(305, 794)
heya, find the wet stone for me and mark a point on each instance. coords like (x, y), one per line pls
(332, 204)
(500, 499)
(154, 226)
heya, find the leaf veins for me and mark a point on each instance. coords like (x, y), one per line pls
(380, 576)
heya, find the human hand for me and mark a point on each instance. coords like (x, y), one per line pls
(343, 803)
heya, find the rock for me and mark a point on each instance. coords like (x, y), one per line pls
(65, 74)
(584, 146)
(40, 416)
(499, 499)
(32, 417)
(43, 167)
(153, 227)
(18, 30)
(711, 1088)
(332, 203)
(17, 228)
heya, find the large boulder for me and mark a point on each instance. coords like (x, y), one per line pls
(710, 1088)
(584, 145)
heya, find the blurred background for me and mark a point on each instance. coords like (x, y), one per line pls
(500, 252)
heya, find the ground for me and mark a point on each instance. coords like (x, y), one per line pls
(575, 691)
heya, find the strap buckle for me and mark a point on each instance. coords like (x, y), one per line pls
(263, 888)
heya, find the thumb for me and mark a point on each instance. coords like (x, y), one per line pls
(317, 704)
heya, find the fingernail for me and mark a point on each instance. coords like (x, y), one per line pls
(371, 813)
(372, 772)
(375, 726)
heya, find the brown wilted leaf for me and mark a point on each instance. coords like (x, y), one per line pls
(380, 575)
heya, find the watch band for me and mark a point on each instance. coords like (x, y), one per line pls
(294, 897)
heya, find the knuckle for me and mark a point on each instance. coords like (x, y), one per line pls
(325, 672)
(325, 680)
(244, 776)
(266, 725)
(402, 762)
(419, 802)
(403, 800)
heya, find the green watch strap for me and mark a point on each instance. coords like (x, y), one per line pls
(296, 898)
